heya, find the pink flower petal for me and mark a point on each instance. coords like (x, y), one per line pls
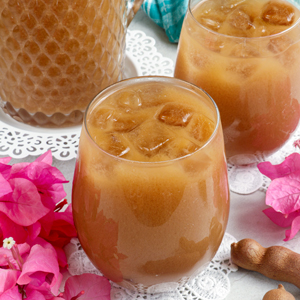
(95, 287)
(280, 219)
(290, 233)
(289, 165)
(37, 293)
(34, 295)
(5, 187)
(23, 250)
(8, 279)
(40, 265)
(46, 158)
(11, 229)
(4, 167)
(46, 178)
(24, 205)
(34, 230)
(62, 229)
(5, 160)
(12, 294)
(283, 193)
(61, 257)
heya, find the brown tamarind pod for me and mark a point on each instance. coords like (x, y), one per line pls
(275, 262)
(278, 294)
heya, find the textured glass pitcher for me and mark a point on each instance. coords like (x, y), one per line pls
(56, 55)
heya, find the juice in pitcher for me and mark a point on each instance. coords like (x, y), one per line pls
(56, 55)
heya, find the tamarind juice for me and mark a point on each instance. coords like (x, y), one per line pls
(246, 55)
(56, 55)
(150, 190)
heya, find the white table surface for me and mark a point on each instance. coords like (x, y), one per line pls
(246, 219)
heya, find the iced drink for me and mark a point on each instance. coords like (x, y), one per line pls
(150, 192)
(246, 55)
(57, 55)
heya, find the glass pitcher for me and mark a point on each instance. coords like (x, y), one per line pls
(56, 55)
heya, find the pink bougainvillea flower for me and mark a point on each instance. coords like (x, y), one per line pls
(283, 194)
(88, 287)
(288, 166)
(295, 227)
(4, 167)
(11, 229)
(29, 191)
(5, 254)
(8, 279)
(279, 218)
(47, 179)
(41, 268)
(11, 294)
(23, 205)
(5, 186)
(58, 227)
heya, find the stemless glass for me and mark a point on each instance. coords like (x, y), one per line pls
(146, 221)
(57, 55)
(254, 80)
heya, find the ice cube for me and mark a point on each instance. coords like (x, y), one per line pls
(152, 95)
(210, 15)
(175, 114)
(100, 118)
(209, 22)
(116, 145)
(214, 43)
(279, 44)
(243, 69)
(199, 60)
(201, 128)
(112, 120)
(125, 122)
(180, 146)
(240, 20)
(244, 50)
(278, 13)
(229, 5)
(113, 143)
(128, 100)
(150, 138)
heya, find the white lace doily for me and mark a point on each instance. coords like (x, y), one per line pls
(211, 284)
(19, 140)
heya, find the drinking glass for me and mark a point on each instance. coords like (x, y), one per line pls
(254, 79)
(57, 55)
(150, 192)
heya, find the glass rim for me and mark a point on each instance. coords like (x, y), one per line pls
(106, 92)
(238, 38)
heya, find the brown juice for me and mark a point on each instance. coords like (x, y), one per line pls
(150, 195)
(56, 55)
(246, 55)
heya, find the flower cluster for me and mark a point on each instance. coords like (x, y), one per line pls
(34, 231)
(283, 194)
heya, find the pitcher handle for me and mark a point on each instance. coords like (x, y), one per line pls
(133, 7)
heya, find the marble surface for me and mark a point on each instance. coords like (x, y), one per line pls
(246, 218)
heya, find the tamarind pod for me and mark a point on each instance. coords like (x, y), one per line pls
(278, 294)
(275, 262)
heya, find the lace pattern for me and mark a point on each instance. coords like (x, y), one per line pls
(211, 284)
